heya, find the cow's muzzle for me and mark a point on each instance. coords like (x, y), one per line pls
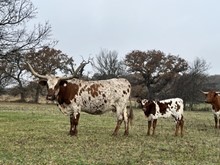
(51, 94)
(50, 97)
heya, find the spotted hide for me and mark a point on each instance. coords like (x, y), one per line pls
(163, 108)
(93, 97)
(213, 98)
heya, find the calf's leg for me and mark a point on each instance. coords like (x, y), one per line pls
(181, 126)
(149, 127)
(154, 125)
(177, 127)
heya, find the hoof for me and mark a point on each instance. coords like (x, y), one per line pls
(126, 133)
(73, 133)
(114, 134)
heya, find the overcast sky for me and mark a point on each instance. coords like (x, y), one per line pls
(188, 28)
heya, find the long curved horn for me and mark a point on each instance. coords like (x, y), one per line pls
(68, 78)
(75, 74)
(35, 73)
(204, 92)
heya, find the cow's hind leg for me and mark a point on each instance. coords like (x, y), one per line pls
(117, 127)
(74, 120)
(121, 116)
(126, 122)
(128, 117)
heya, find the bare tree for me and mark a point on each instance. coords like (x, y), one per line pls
(107, 65)
(13, 70)
(190, 84)
(16, 38)
(157, 69)
(14, 16)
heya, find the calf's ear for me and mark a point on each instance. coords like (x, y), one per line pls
(138, 100)
(43, 82)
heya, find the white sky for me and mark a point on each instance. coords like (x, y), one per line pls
(188, 28)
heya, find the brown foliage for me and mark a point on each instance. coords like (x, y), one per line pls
(157, 69)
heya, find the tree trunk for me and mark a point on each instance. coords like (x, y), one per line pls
(37, 94)
(22, 95)
(22, 91)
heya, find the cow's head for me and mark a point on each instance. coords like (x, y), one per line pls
(211, 96)
(52, 82)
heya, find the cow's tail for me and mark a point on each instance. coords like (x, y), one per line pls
(130, 113)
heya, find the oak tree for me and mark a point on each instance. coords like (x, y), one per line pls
(157, 69)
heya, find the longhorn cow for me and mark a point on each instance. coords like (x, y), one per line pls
(213, 98)
(94, 97)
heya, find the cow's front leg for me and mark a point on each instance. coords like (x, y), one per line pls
(216, 121)
(74, 120)
(219, 123)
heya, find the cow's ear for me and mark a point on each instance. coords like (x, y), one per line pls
(63, 83)
(43, 82)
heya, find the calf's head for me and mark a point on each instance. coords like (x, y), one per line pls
(141, 102)
(149, 108)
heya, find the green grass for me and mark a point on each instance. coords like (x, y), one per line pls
(38, 134)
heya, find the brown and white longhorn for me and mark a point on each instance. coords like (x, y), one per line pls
(94, 97)
(213, 98)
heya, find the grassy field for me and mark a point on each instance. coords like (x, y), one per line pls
(38, 134)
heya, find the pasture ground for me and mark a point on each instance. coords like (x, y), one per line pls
(38, 134)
